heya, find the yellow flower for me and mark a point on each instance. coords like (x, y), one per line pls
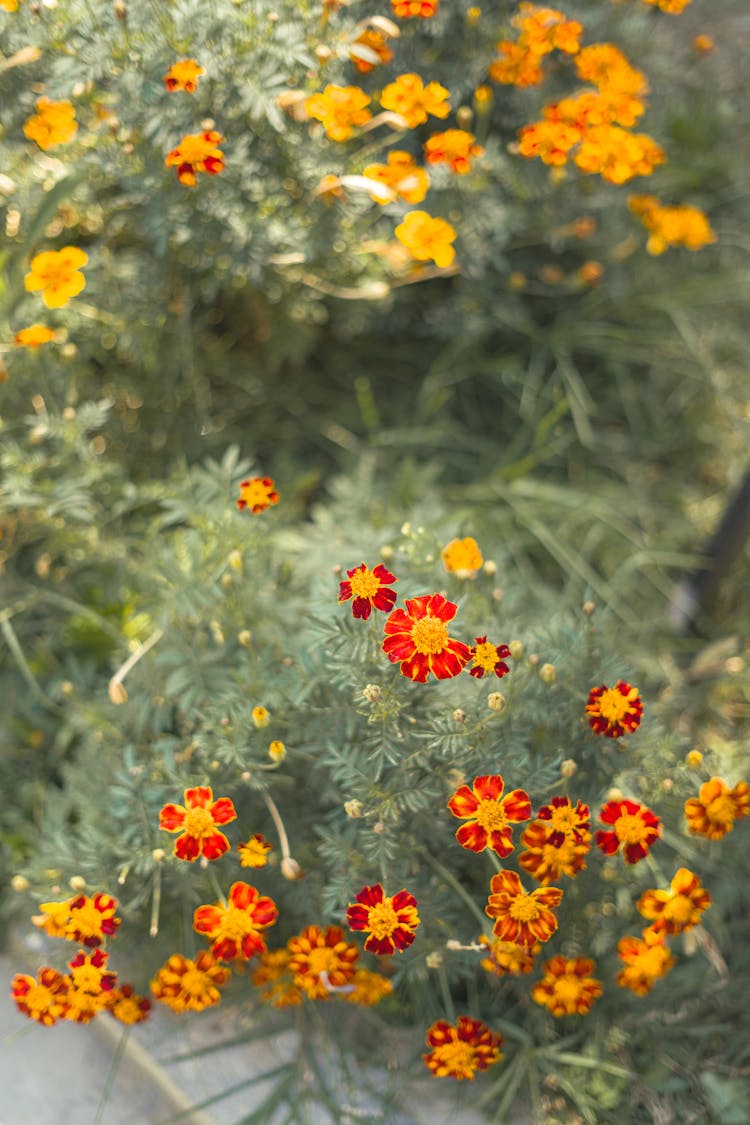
(671, 226)
(277, 751)
(462, 557)
(56, 274)
(183, 75)
(454, 147)
(33, 336)
(9, 5)
(53, 123)
(261, 717)
(254, 853)
(402, 175)
(427, 239)
(411, 99)
(339, 109)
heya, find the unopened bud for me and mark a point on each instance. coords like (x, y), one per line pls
(261, 717)
(533, 659)
(568, 767)
(245, 637)
(372, 693)
(290, 869)
(694, 758)
(19, 883)
(496, 701)
(117, 692)
(245, 776)
(337, 568)
(433, 960)
(234, 558)
(459, 715)
(386, 552)
(464, 116)
(588, 608)
(354, 808)
(547, 673)
(614, 794)
(277, 751)
(378, 828)
(226, 581)
(516, 649)
(608, 909)
(158, 855)
(667, 785)
(214, 765)
(490, 567)
(76, 882)
(67, 689)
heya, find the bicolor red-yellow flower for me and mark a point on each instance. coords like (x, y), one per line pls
(523, 917)
(489, 814)
(257, 494)
(369, 589)
(713, 812)
(460, 1050)
(390, 920)
(235, 929)
(614, 711)
(197, 820)
(634, 828)
(417, 639)
(567, 988)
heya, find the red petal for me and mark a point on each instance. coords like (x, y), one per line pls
(266, 912)
(345, 592)
(371, 896)
(634, 852)
(187, 847)
(243, 896)
(199, 798)
(398, 647)
(384, 576)
(464, 803)
(472, 836)
(402, 938)
(380, 945)
(357, 917)
(489, 787)
(223, 811)
(607, 841)
(361, 608)
(502, 842)
(384, 600)
(517, 806)
(416, 608)
(440, 607)
(399, 622)
(172, 818)
(402, 900)
(215, 846)
(416, 667)
(207, 919)
(252, 944)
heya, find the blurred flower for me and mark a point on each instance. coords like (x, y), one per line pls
(489, 814)
(90, 986)
(369, 589)
(549, 854)
(590, 273)
(276, 750)
(319, 958)
(618, 155)
(254, 852)
(551, 141)
(257, 494)
(197, 152)
(407, 9)
(461, 1050)
(390, 920)
(33, 336)
(411, 99)
(566, 821)
(671, 7)
(417, 639)
(523, 917)
(506, 958)
(543, 30)
(56, 273)
(646, 960)
(339, 109)
(275, 979)
(369, 988)
(488, 658)
(703, 44)
(42, 998)
(197, 821)
(694, 759)
(454, 147)
(53, 123)
(634, 827)
(671, 226)
(183, 75)
(604, 107)
(9, 6)
(614, 711)
(190, 986)
(517, 65)
(462, 557)
(402, 175)
(713, 812)
(127, 1007)
(680, 908)
(566, 987)
(234, 930)
(427, 238)
(605, 66)
(92, 920)
(261, 717)
(374, 41)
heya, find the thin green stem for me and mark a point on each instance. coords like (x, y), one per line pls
(445, 992)
(116, 1060)
(454, 883)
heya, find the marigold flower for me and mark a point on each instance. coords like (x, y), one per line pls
(417, 639)
(374, 42)
(276, 750)
(402, 175)
(566, 987)
(411, 99)
(454, 147)
(34, 336)
(605, 66)
(321, 961)
(190, 986)
(671, 226)
(409, 9)
(234, 930)
(489, 814)
(680, 908)
(523, 917)
(506, 958)
(618, 155)
(703, 44)
(671, 7)
(53, 123)
(56, 273)
(261, 717)
(254, 852)
(339, 109)
(551, 141)
(517, 65)
(614, 711)
(545, 29)
(391, 920)
(489, 658)
(462, 557)
(90, 986)
(566, 821)
(461, 1050)
(369, 589)
(427, 238)
(9, 5)
(275, 979)
(197, 152)
(257, 494)
(713, 812)
(42, 998)
(634, 827)
(605, 107)
(646, 960)
(127, 1006)
(549, 854)
(197, 820)
(368, 988)
(183, 75)
(53, 919)
(92, 920)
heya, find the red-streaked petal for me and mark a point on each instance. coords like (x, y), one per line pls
(215, 846)
(403, 900)
(361, 608)
(417, 667)
(172, 818)
(451, 661)
(357, 917)
(472, 836)
(399, 622)
(207, 919)
(223, 811)
(253, 944)
(243, 896)
(384, 600)
(266, 911)
(501, 842)
(634, 852)
(517, 806)
(199, 798)
(382, 945)
(371, 896)
(384, 576)
(398, 647)
(607, 841)
(489, 787)
(415, 608)
(345, 592)
(464, 802)
(187, 847)
(225, 949)
(441, 608)
(402, 937)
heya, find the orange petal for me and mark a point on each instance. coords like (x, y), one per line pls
(473, 837)
(172, 818)
(464, 802)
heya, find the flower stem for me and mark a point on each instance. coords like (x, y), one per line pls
(276, 817)
(453, 881)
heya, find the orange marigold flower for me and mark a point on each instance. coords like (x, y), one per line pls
(671, 7)
(368, 988)
(254, 853)
(190, 986)
(34, 336)
(53, 123)
(605, 66)
(321, 961)
(545, 29)
(9, 5)
(454, 147)
(89, 921)
(402, 175)
(617, 155)
(460, 1051)
(390, 920)
(127, 1006)
(646, 960)
(411, 99)
(634, 827)
(489, 814)
(680, 908)
(369, 589)
(427, 238)
(551, 141)
(275, 979)
(671, 226)
(489, 658)
(409, 9)
(417, 639)
(517, 65)
(703, 44)
(549, 854)
(523, 917)
(506, 958)
(566, 821)
(42, 998)
(614, 711)
(257, 494)
(197, 820)
(596, 108)
(462, 557)
(370, 49)
(53, 919)
(90, 986)
(339, 109)
(713, 812)
(183, 75)
(234, 930)
(56, 274)
(566, 988)
(197, 152)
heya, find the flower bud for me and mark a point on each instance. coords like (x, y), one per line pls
(225, 581)
(354, 808)
(290, 869)
(378, 828)
(694, 758)
(434, 960)
(459, 715)
(533, 659)
(496, 701)
(516, 649)
(548, 673)
(67, 689)
(588, 608)
(261, 717)
(234, 558)
(337, 568)
(490, 568)
(19, 883)
(667, 785)
(158, 855)
(386, 552)
(614, 794)
(245, 776)
(464, 116)
(117, 692)
(372, 693)
(245, 637)
(568, 767)
(277, 751)
(76, 882)
(214, 765)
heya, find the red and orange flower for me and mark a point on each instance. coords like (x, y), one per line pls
(489, 814)
(127, 1006)
(89, 921)
(547, 859)
(454, 147)
(646, 960)
(183, 75)
(567, 988)
(680, 908)
(197, 152)
(257, 494)
(566, 821)
(523, 917)
(190, 986)
(506, 958)
(614, 711)
(410, 9)
(197, 820)
(42, 998)
(460, 1051)
(417, 639)
(390, 920)
(90, 986)
(321, 961)
(235, 930)
(634, 828)
(369, 589)
(489, 658)
(713, 812)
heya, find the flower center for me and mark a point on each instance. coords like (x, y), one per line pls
(199, 823)
(491, 816)
(567, 989)
(721, 809)
(485, 655)
(524, 908)
(39, 999)
(382, 920)
(630, 829)
(563, 819)
(457, 1057)
(194, 983)
(430, 635)
(679, 909)
(364, 584)
(613, 706)
(235, 925)
(87, 920)
(322, 960)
